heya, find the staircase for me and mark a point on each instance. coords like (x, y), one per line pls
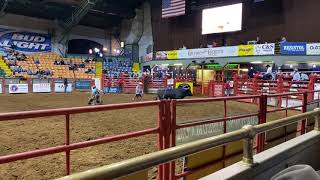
(4, 69)
(98, 69)
(77, 14)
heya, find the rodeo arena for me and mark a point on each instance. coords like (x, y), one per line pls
(159, 89)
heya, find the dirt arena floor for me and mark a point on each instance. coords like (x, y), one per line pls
(20, 136)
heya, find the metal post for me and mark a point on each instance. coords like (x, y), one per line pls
(202, 82)
(173, 135)
(304, 109)
(160, 137)
(317, 120)
(262, 119)
(67, 143)
(248, 145)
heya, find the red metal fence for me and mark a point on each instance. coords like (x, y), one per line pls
(166, 126)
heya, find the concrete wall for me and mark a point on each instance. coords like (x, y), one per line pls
(301, 150)
(146, 40)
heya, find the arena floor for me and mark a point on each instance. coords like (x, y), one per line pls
(19, 136)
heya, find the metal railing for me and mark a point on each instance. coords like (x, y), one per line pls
(247, 134)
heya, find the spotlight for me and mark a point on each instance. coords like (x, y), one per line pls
(101, 55)
(90, 51)
(314, 66)
(122, 44)
(105, 49)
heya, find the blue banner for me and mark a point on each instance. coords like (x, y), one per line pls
(293, 48)
(83, 84)
(24, 41)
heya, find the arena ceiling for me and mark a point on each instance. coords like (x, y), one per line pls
(105, 14)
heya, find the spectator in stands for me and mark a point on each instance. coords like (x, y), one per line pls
(214, 44)
(47, 72)
(283, 40)
(29, 72)
(268, 74)
(296, 75)
(258, 40)
(251, 72)
(65, 83)
(82, 65)
(184, 47)
(87, 60)
(56, 62)
(88, 71)
(304, 77)
(93, 70)
(62, 62)
(37, 61)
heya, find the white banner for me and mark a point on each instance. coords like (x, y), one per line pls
(0, 88)
(18, 88)
(264, 49)
(41, 88)
(313, 49)
(59, 87)
(230, 51)
(97, 82)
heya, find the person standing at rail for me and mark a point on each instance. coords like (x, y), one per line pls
(139, 92)
(65, 83)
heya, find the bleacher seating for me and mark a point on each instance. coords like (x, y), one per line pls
(47, 62)
(114, 68)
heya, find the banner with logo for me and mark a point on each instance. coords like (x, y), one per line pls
(172, 54)
(293, 48)
(188, 83)
(41, 88)
(161, 55)
(18, 88)
(264, 49)
(59, 87)
(83, 84)
(208, 52)
(313, 49)
(24, 41)
(246, 50)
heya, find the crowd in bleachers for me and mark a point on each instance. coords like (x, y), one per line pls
(116, 68)
(48, 65)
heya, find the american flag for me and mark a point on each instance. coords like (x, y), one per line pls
(171, 8)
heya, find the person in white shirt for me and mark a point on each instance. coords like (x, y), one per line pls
(296, 75)
(268, 75)
(139, 92)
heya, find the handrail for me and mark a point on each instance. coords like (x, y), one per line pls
(247, 133)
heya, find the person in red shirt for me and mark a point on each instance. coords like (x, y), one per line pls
(227, 87)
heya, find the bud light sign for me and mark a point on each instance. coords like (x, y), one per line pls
(24, 41)
(293, 48)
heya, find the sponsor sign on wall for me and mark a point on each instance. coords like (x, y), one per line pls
(172, 54)
(313, 49)
(0, 88)
(24, 41)
(293, 48)
(41, 87)
(246, 50)
(83, 84)
(59, 87)
(188, 83)
(208, 52)
(264, 49)
(18, 88)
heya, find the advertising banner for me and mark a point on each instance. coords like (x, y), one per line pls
(23, 41)
(313, 49)
(264, 49)
(0, 88)
(41, 88)
(246, 50)
(59, 87)
(161, 55)
(172, 54)
(293, 48)
(83, 84)
(18, 88)
(208, 52)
